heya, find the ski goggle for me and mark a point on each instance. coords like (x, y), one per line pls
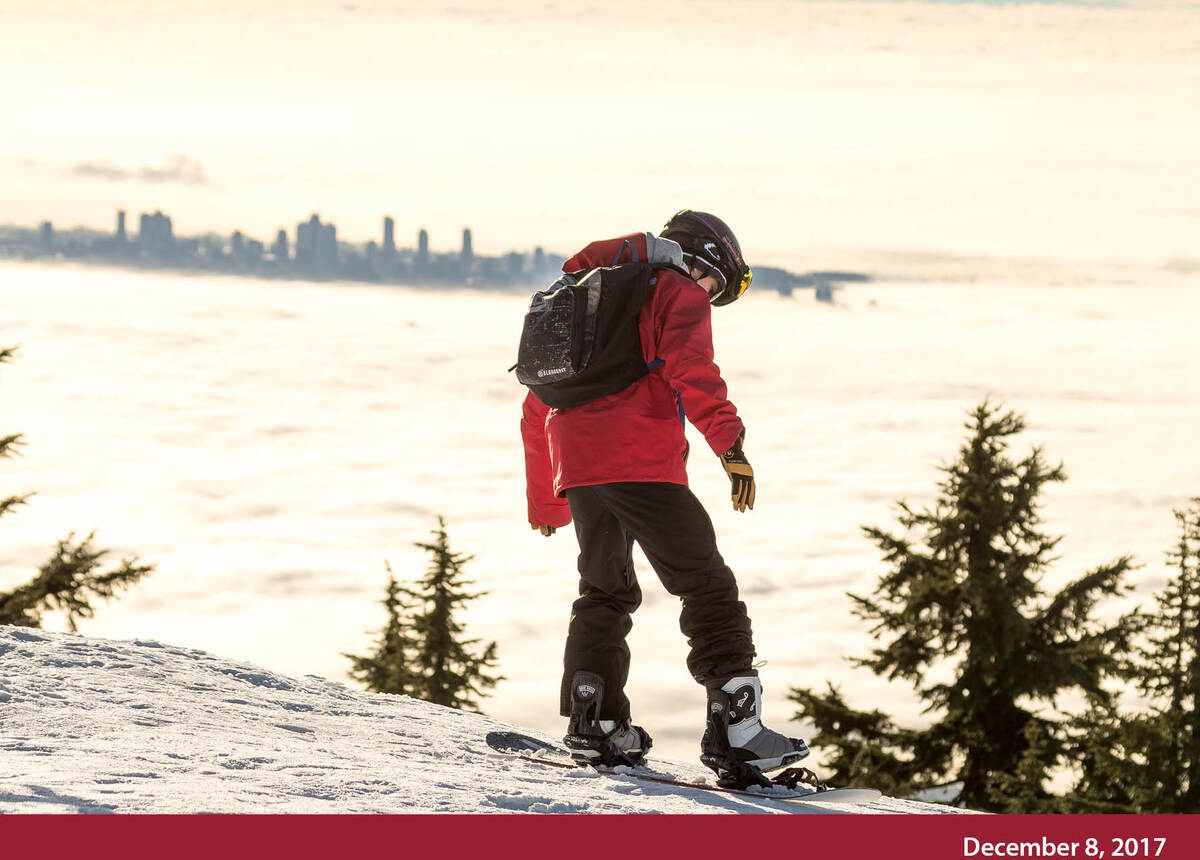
(743, 284)
(723, 295)
(728, 294)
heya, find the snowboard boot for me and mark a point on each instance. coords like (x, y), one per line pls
(600, 742)
(736, 745)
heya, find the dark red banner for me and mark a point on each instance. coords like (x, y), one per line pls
(578, 837)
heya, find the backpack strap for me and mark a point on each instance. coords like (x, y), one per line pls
(632, 251)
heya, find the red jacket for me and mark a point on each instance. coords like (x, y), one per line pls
(636, 434)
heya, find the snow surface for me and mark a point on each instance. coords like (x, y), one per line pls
(99, 726)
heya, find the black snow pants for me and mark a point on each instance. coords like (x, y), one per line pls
(676, 534)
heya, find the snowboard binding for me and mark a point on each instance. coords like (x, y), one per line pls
(794, 776)
(593, 741)
(601, 750)
(736, 774)
(742, 766)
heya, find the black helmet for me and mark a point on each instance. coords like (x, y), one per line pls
(710, 246)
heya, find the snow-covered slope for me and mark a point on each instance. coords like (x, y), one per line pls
(92, 725)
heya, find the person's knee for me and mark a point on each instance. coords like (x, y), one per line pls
(704, 584)
(624, 601)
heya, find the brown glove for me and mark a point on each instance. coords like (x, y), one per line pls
(741, 475)
(545, 530)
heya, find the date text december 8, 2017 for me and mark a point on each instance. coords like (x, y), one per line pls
(1117, 847)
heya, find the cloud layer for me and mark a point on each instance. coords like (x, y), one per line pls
(178, 170)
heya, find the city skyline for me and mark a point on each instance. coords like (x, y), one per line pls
(316, 253)
(122, 221)
(312, 250)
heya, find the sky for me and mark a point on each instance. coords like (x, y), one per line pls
(820, 131)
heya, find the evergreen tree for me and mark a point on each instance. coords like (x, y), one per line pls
(390, 669)
(453, 670)
(1169, 666)
(421, 652)
(70, 580)
(865, 746)
(1022, 788)
(963, 600)
(1106, 781)
(8, 448)
(1149, 762)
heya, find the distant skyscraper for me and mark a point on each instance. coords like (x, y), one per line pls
(327, 254)
(155, 235)
(467, 251)
(316, 247)
(423, 248)
(280, 249)
(389, 237)
(237, 245)
(306, 242)
(46, 234)
(515, 264)
(121, 237)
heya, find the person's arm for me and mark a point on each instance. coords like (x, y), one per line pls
(546, 511)
(685, 345)
(684, 323)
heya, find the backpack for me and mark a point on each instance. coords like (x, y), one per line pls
(580, 340)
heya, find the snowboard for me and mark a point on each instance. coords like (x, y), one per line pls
(539, 752)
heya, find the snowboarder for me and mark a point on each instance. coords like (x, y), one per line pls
(617, 467)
